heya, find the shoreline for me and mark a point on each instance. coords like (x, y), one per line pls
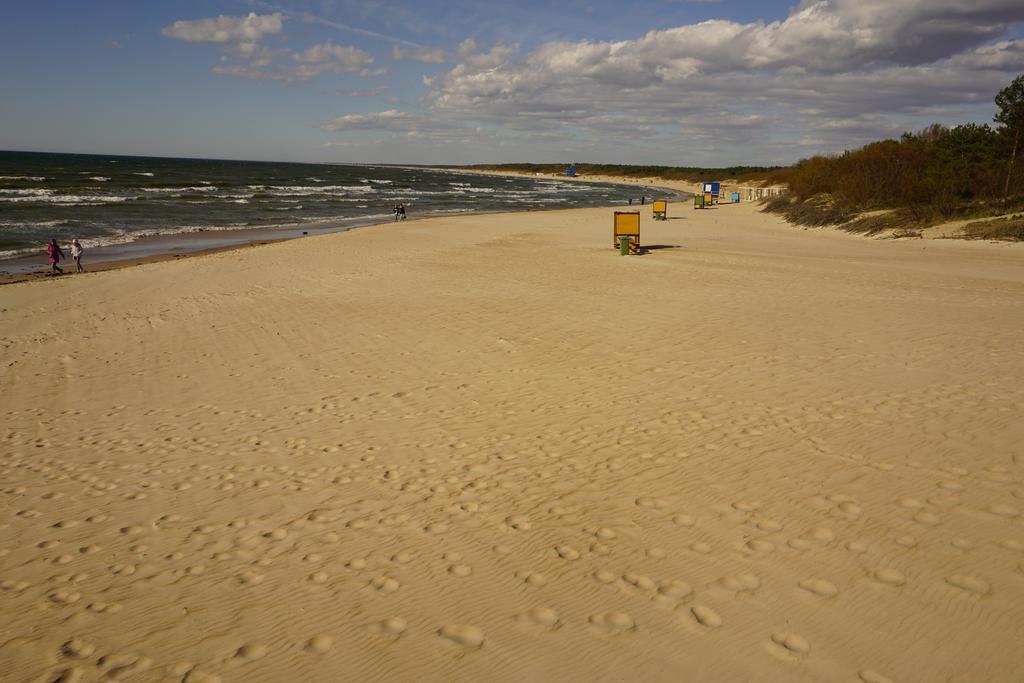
(176, 246)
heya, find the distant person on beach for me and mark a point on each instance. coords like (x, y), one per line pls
(53, 250)
(397, 210)
(643, 199)
(631, 201)
(76, 255)
(401, 211)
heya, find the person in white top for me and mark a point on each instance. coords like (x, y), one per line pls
(76, 254)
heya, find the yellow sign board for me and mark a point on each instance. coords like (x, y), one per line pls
(660, 206)
(627, 224)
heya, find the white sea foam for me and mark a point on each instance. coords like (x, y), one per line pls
(99, 178)
(48, 197)
(170, 190)
(37, 178)
(145, 173)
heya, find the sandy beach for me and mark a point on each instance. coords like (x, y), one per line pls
(490, 448)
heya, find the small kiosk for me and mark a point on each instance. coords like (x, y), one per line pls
(626, 232)
(660, 209)
(712, 189)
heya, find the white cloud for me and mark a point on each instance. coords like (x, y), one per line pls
(425, 55)
(248, 29)
(241, 39)
(391, 119)
(750, 87)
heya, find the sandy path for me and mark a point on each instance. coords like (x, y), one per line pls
(490, 448)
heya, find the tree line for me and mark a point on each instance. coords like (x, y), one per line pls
(935, 174)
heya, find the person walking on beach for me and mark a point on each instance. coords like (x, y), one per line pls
(53, 250)
(76, 255)
(401, 211)
(397, 210)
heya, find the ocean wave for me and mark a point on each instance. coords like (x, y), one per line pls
(186, 188)
(36, 178)
(66, 199)
(99, 178)
(145, 173)
(27, 192)
(298, 190)
(32, 224)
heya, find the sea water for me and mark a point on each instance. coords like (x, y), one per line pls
(104, 200)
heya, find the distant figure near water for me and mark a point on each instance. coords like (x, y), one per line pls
(76, 255)
(401, 211)
(53, 250)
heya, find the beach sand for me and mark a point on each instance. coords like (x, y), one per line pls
(491, 448)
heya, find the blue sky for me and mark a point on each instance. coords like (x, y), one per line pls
(648, 81)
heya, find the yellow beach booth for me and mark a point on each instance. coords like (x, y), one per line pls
(660, 210)
(627, 225)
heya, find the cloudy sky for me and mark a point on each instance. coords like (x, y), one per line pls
(682, 82)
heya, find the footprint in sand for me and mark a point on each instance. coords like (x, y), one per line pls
(613, 623)
(705, 616)
(890, 577)
(518, 522)
(970, 584)
(539, 616)
(870, 676)
(567, 552)
(641, 582)
(460, 570)
(319, 644)
(251, 652)
(459, 634)
(791, 643)
(78, 648)
(535, 579)
(759, 546)
(392, 627)
(1002, 510)
(683, 519)
(675, 590)
(385, 584)
(741, 583)
(819, 587)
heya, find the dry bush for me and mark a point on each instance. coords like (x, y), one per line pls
(1010, 228)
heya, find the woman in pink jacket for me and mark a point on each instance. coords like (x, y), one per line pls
(55, 256)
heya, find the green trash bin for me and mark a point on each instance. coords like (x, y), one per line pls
(698, 201)
(624, 246)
